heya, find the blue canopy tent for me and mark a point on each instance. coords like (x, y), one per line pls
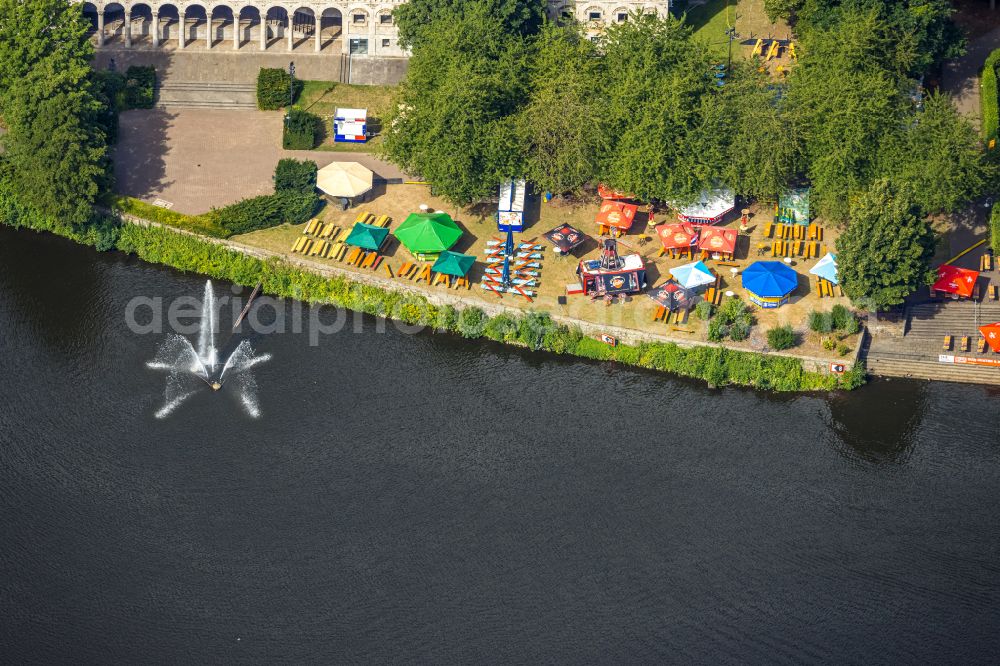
(769, 283)
(826, 268)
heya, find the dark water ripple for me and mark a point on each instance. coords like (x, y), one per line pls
(421, 498)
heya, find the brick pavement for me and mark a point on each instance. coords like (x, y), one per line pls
(197, 159)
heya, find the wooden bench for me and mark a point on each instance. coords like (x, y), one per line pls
(369, 260)
(313, 227)
(423, 274)
(767, 230)
(981, 346)
(353, 255)
(441, 277)
(986, 262)
(947, 343)
(659, 312)
(300, 243)
(777, 248)
(364, 216)
(779, 230)
(327, 230)
(319, 247)
(965, 343)
(993, 292)
(462, 282)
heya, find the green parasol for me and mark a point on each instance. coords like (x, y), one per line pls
(423, 233)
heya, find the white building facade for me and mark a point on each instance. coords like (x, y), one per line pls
(321, 26)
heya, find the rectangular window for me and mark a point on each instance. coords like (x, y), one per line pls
(359, 47)
(385, 43)
(595, 16)
(622, 17)
(385, 19)
(358, 18)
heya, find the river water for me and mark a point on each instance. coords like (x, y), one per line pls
(424, 498)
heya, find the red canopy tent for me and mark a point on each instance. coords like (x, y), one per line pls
(992, 334)
(955, 280)
(721, 240)
(677, 236)
(606, 192)
(616, 214)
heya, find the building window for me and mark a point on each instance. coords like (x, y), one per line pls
(385, 43)
(358, 19)
(595, 16)
(359, 47)
(622, 17)
(385, 19)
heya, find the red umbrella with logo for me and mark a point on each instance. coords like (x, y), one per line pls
(955, 280)
(718, 239)
(992, 334)
(677, 236)
(616, 214)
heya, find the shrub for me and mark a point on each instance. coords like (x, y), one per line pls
(295, 176)
(829, 344)
(532, 329)
(704, 310)
(272, 89)
(843, 349)
(852, 325)
(471, 322)
(502, 328)
(717, 330)
(821, 322)
(265, 211)
(140, 87)
(781, 337)
(740, 329)
(839, 316)
(300, 130)
(198, 223)
(732, 310)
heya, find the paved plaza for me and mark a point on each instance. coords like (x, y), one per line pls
(197, 159)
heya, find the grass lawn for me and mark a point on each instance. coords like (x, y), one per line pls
(710, 22)
(323, 98)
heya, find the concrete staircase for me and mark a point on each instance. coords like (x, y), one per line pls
(916, 354)
(206, 95)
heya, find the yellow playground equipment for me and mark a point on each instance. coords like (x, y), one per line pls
(774, 51)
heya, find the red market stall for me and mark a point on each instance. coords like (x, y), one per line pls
(718, 240)
(959, 282)
(711, 207)
(616, 217)
(992, 334)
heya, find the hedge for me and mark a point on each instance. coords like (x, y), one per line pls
(197, 223)
(272, 89)
(988, 96)
(995, 228)
(265, 211)
(301, 130)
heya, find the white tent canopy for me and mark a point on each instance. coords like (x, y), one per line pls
(344, 179)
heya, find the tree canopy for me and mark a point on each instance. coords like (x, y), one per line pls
(415, 18)
(883, 255)
(56, 148)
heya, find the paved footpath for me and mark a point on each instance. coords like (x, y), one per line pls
(960, 77)
(197, 159)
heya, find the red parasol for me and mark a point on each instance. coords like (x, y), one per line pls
(992, 334)
(718, 239)
(617, 214)
(955, 280)
(606, 192)
(676, 236)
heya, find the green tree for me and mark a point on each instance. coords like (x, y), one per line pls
(763, 147)
(416, 19)
(56, 149)
(455, 118)
(662, 109)
(561, 121)
(883, 256)
(939, 157)
(846, 107)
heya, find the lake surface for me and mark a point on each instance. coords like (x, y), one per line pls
(425, 498)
